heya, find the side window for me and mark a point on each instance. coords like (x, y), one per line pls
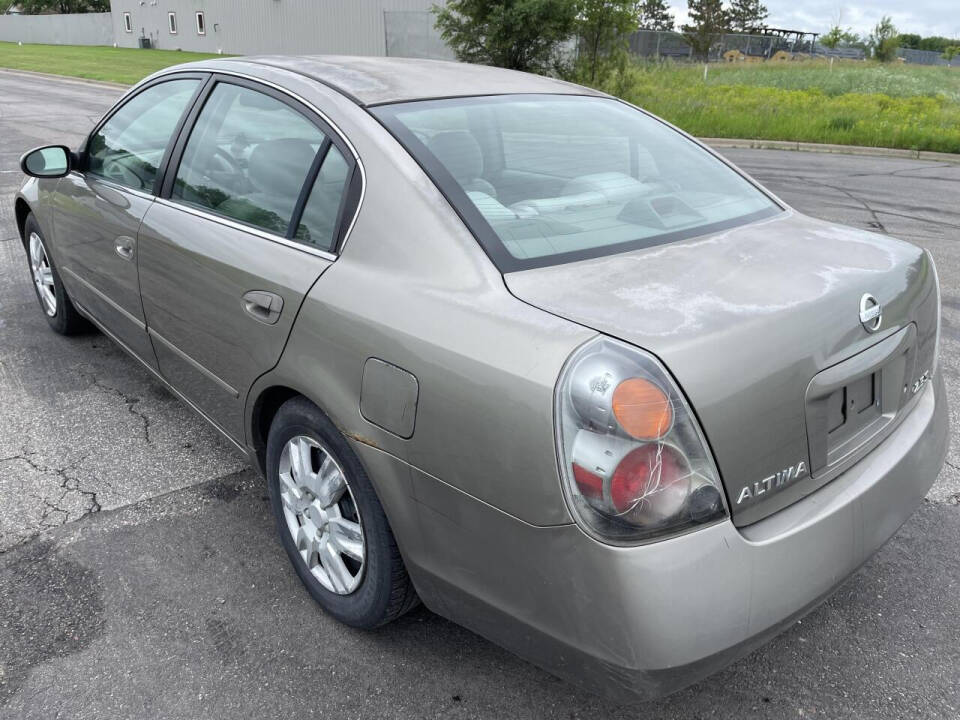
(247, 158)
(130, 145)
(172, 22)
(318, 224)
(127, 23)
(201, 24)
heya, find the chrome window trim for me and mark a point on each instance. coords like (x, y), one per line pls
(223, 220)
(239, 226)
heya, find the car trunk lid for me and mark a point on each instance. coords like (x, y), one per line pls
(760, 326)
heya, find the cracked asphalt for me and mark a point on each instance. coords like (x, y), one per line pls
(140, 576)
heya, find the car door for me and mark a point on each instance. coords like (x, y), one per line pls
(249, 217)
(98, 209)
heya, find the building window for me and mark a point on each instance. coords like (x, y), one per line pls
(201, 24)
(172, 22)
(127, 23)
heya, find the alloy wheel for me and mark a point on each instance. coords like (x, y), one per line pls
(321, 514)
(42, 275)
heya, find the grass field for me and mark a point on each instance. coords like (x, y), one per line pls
(855, 103)
(119, 65)
(852, 103)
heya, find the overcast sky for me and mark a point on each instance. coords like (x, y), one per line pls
(924, 17)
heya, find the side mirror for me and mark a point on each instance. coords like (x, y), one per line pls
(52, 161)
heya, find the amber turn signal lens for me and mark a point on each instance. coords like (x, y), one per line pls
(642, 409)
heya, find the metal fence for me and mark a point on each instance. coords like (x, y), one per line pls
(842, 53)
(78, 29)
(926, 57)
(724, 46)
(650, 43)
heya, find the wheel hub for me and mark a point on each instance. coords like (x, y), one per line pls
(42, 275)
(321, 514)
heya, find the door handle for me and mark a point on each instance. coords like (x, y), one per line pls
(263, 306)
(124, 246)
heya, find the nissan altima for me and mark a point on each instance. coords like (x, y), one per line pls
(507, 346)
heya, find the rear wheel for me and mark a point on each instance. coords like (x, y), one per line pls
(330, 521)
(54, 301)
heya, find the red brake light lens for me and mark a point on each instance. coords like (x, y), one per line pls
(647, 478)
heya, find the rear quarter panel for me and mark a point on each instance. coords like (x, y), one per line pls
(413, 288)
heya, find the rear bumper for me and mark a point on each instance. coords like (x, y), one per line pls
(644, 621)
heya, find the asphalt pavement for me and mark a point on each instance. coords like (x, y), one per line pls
(140, 575)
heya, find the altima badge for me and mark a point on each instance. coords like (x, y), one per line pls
(773, 482)
(871, 314)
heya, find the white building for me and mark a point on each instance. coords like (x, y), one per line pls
(248, 27)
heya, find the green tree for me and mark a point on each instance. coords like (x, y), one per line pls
(655, 15)
(35, 7)
(910, 40)
(747, 15)
(603, 27)
(838, 37)
(884, 40)
(935, 43)
(516, 34)
(707, 18)
(951, 52)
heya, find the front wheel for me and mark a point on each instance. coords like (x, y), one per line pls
(54, 301)
(330, 521)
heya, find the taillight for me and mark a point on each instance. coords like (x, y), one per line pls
(634, 461)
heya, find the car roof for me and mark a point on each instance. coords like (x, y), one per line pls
(378, 80)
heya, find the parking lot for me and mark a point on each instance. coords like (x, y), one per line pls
(140, 575)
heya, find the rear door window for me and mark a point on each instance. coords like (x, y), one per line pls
(247, 158)
(320, 220)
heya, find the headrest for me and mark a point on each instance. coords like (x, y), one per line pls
(278, 167)
(459, 152)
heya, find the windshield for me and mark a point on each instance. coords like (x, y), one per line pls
(547, 179)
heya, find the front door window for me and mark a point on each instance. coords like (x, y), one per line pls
(128, 148)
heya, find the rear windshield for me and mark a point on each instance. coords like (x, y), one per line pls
(547, 179)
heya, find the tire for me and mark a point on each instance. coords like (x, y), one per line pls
(380, 590)
(47, 285)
